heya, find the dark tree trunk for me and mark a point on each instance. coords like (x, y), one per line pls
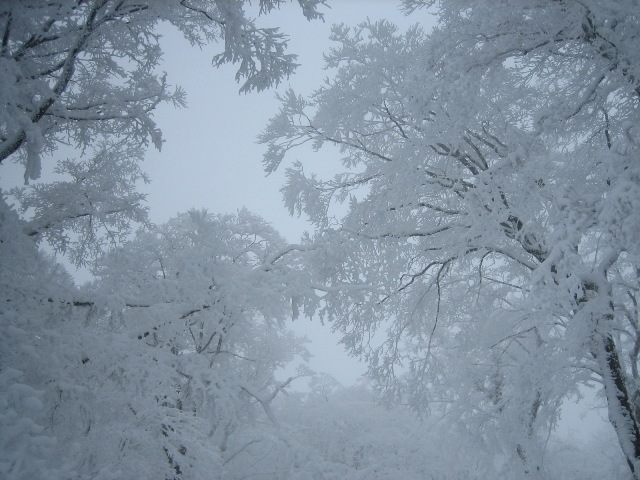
(620, 405)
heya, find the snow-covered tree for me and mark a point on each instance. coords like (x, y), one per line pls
(491, 194)
(193, 290)
(94, 207)
(75, 70)
(197, 284)
(85, 76)
(166, 367)
(81, 396)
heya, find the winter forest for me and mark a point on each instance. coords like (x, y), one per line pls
(470, 182)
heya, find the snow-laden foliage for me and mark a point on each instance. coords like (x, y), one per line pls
(165, 367)
(27, 282)
(491, 189)
(74, 70)
(197, 285)
(183, 383)
(85, 76)
(93, 211)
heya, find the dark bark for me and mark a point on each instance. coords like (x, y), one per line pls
(621, 408)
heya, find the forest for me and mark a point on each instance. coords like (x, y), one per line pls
(476, 245)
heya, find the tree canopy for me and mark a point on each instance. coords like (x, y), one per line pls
(84, 77)
(478, 248)
(491, 195)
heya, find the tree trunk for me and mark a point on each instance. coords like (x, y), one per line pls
(620, 405)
